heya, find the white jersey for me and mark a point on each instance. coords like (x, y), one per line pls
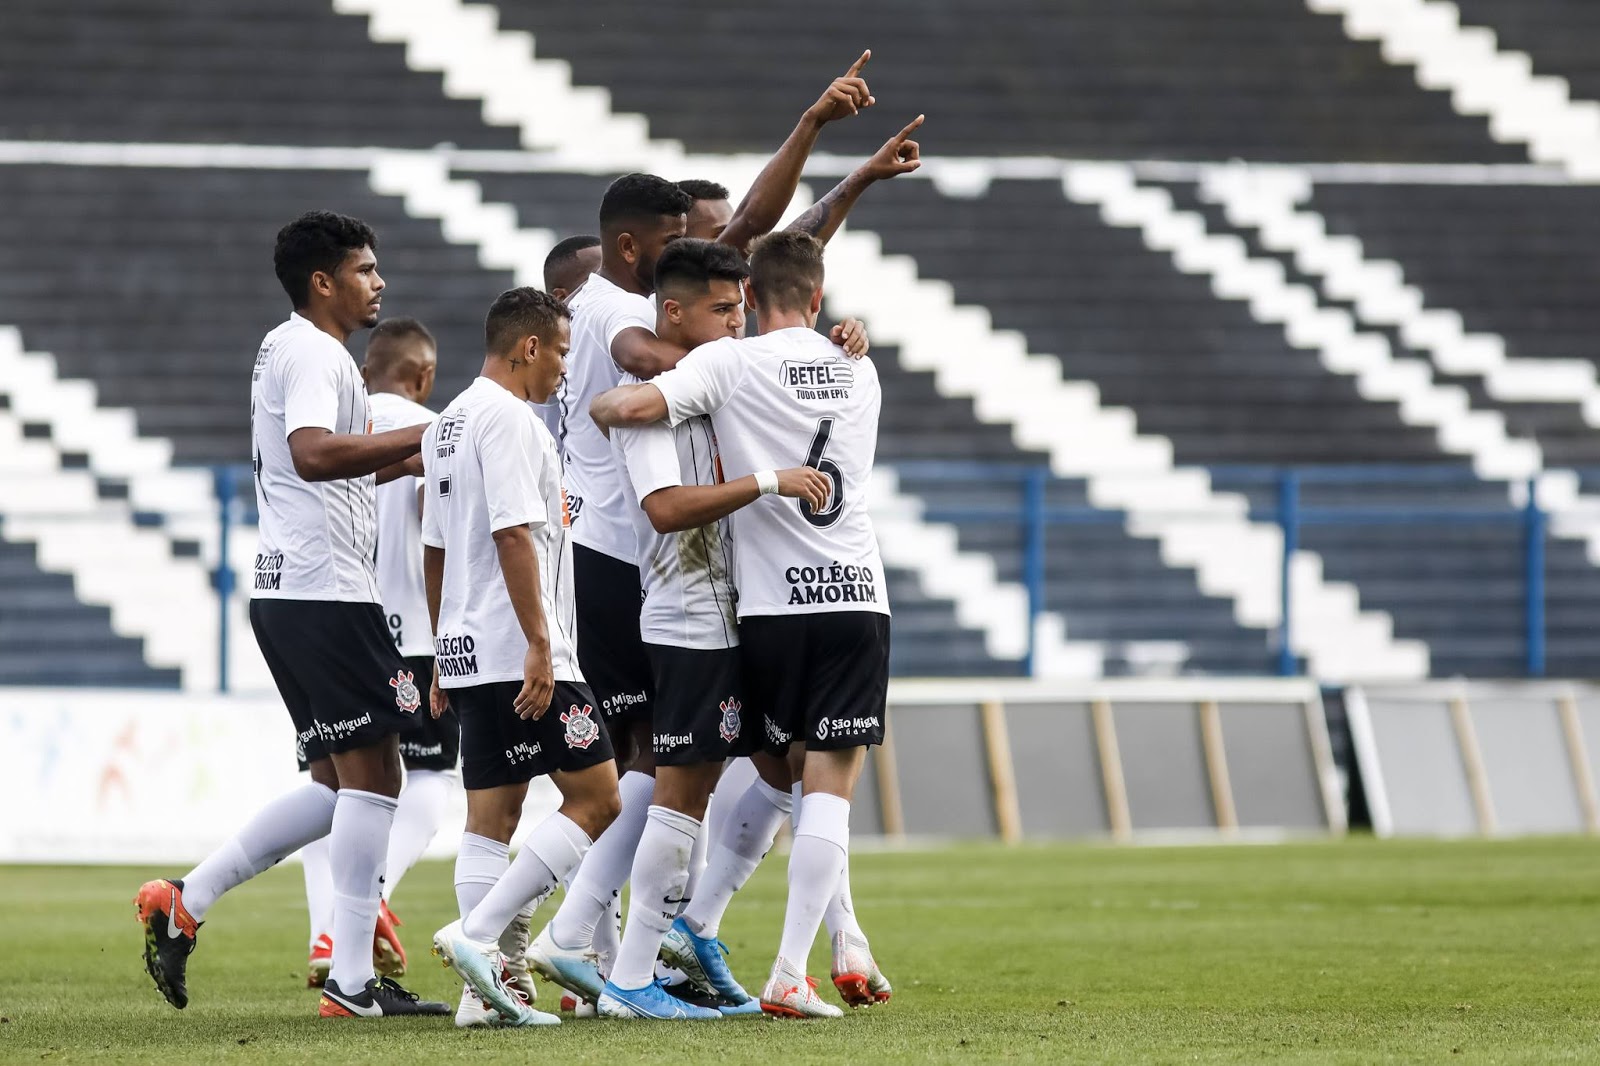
(792, 398)
(600, 505)
(490, 464)
(399, 553)
(687, 577)
(316, 537)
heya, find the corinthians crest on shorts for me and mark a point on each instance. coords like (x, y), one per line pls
(582, 729)
(406, 696)
(729, 726)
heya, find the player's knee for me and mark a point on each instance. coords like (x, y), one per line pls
(595, 812)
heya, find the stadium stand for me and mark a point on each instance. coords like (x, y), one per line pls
(162, 308)
(1254, 79)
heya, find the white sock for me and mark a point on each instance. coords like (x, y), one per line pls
(480, 863)
(608, 931)
(555, 846)
(319, 887)
(357, 848)
(840, 917)
(279, 829)
(747, 833)
(416, 820)
(697, 865)
(739, 776)
(597, 885)
(660, 878)
(821, 842)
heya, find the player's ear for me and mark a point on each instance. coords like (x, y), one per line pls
(749, 294)
(322, 283)
(628, 248)
(531, 348)
(673, 309)
(816, 302)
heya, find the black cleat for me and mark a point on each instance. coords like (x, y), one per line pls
(169, 937)
(381, 998)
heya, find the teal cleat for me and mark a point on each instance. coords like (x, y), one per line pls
(653, 1002)
(576, 971)
(750, 1008)
(700, 958)
(480, 967)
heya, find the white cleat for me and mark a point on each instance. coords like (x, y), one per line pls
(479, 965)
(856, 974)
(789, 993)
(514, 948)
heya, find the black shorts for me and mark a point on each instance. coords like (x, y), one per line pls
(437, 745)
(821, 679)
(338, 672)
(498, 748)
(610, 652)
(697, 715)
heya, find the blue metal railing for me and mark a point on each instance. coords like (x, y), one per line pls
(1032, 514)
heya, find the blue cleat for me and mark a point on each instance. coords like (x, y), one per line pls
(700, 958)
(653, 1002)
(749, 1008)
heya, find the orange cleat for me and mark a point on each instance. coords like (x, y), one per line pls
(169, 937)
(320, 963)
(388, 954)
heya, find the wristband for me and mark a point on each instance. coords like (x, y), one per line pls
(766, 481)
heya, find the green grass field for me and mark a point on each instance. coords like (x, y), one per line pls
(1353, 952)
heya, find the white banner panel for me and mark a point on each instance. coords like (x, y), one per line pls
(101, 775)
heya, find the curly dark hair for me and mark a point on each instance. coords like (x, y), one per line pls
(317, 240)
(641, 197)
(691, 265)
(703, 189)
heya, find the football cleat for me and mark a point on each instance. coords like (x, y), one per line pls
(514, 949)
(474, 1012)
(388, 956)
(479, 965)
(651, 1002)
(380, 997)
(169, 937)
(856, 974)
(576, 971)
(791, 994)
(701, 960)
(320, 963)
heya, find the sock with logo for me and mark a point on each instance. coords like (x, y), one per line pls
(319, 887)
(279, 829)
(608, 932)
(422, 805)
(821, 842)
(480, 863)
(594, 890)
(555, 846)
(840, 917)
(660, 877)
(357, 848)
(747, 834)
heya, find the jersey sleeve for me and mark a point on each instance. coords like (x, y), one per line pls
(623, 313)
(310, 387)
(432, 527)
(510, 459)
(651, 457)
(702, 382)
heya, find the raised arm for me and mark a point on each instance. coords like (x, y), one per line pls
(774, 187)
(899, 155)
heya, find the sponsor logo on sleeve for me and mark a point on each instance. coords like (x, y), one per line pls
(821, 379)
(582, 729)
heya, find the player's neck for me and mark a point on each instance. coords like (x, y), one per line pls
(393, 388)
(773, 321)
(323, 319)
(620, 276)
(500, 372)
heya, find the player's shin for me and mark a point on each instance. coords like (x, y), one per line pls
(660, 875)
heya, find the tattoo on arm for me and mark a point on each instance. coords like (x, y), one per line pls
(816, 219)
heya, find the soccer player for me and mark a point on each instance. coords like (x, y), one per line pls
(316, 617)
(612, 329)
(687, 622)
(813, 611)
(498, 569)
(570, 263)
